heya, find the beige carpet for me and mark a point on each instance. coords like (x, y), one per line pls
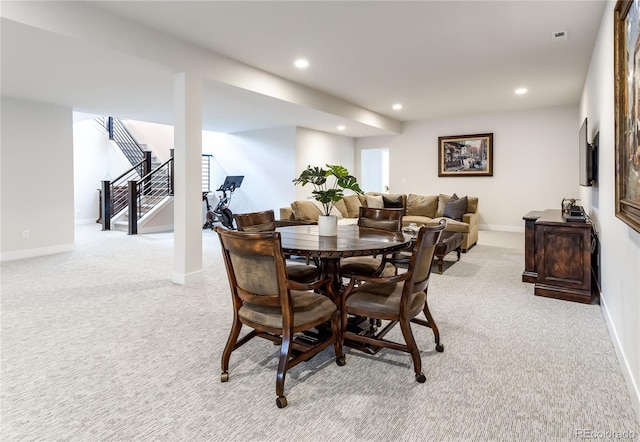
(99, 345)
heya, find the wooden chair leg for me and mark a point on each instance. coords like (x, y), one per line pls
(433, 326)
(228, 348)
(336, 328)
(405, 326)
(285, 352)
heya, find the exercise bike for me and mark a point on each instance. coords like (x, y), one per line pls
(221, 213)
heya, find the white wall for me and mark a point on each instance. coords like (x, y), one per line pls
(314, 148)
(535, 159)
(95, 158)
(620, 245)
(36, 179)
(157, 137)
(266, 158)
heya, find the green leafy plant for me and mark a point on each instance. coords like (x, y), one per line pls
(328, 192)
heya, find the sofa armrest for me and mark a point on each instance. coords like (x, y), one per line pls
(470, 218)
(471, 238)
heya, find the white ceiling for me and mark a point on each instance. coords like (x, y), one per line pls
(437, 58)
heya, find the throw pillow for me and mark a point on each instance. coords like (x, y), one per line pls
(334, 210)
(353, 204)
(375, 201)
(418, 205)
(342, 208)
(442, 203)
(455, 208)
(392, 203)
(305, 210)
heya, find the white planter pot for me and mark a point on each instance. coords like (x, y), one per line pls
(328, 225)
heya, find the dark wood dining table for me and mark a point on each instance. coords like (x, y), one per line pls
(351, 240)
(304, 240)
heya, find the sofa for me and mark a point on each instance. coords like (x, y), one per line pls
(461, 213)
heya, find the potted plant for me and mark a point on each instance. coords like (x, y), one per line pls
(328, 192)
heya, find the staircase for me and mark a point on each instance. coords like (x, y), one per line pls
(141, 190)
(145, 189)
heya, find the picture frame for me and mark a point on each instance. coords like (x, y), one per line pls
(465, 155)
(627, 111)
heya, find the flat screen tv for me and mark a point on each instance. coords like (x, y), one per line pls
(586, 157)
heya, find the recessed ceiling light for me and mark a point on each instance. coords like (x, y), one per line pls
(397, 106)
(301, 63)
(341, 127)
(521, 91)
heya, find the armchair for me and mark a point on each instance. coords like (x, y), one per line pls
(273, 306)
(396, 299)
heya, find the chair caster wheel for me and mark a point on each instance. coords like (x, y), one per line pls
(341, 360)
(224, 377)
(421, 378)
(439, 348)
(281, 402)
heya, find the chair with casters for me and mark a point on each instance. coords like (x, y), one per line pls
(274, 307)
(265, 221)
(396, 299)
(373, 218)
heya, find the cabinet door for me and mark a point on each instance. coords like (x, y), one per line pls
(563, 262)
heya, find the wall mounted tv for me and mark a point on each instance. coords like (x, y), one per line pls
(588, 157)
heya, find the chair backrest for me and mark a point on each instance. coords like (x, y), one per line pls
(264, 221)
(383, 219)
(422, 257)
(255, 267)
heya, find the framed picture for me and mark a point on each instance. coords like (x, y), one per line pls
(465, 155)
(627, 111)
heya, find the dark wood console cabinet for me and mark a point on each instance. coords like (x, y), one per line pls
(558, 257)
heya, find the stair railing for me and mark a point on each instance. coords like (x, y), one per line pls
(114, 195)
(119, 134)
(148, 191)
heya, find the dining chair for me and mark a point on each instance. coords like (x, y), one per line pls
(275, 307)
(265, 221)
(373, 218)
(396, 299)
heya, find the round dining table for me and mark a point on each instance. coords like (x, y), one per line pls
(351, 240)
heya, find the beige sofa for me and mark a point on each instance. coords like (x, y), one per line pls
(419, 209)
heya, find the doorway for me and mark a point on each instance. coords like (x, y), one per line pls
(375, 170)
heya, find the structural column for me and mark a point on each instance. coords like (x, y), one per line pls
(187, 178)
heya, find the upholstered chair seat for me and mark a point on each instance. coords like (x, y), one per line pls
(384, 299)
(307, 307)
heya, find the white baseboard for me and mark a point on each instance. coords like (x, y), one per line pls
(501, 228)
(632, 384)
(189, 278)
(31, 253)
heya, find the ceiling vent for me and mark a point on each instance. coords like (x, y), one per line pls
(559, 36)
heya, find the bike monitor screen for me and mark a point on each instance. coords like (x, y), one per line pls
(232, 182)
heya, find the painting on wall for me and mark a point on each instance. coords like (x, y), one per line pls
(627, 111)
(465, 155)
